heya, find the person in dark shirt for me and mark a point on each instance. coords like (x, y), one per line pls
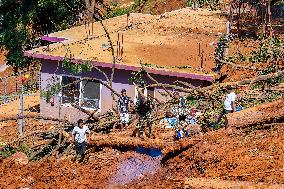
(180, 107)
(123, 108)
(144, 109)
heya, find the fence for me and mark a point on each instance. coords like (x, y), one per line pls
(10, 85)
(26, 105)
(21, 100)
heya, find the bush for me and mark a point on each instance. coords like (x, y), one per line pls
(211, 4)
(117, 12)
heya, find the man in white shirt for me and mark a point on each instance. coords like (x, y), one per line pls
(80, 135)
(229, 104)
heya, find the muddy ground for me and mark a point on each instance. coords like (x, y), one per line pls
(246, 155)
(252, 155)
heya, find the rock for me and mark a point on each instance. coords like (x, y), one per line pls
(20, 158)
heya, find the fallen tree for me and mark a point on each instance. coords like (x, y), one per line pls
(125, 141)
(32, 116)
(264, 113)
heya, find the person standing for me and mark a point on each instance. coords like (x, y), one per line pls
(229, 104)
(144, 109)
(180, 107)
(80, 136)
(123, 109)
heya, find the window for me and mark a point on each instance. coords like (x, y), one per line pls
(70, 93)
(83, 93)
(90, 94)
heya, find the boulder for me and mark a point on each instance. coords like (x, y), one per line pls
(20, 158)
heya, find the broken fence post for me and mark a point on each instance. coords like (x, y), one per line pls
(59, 108)
(5, 92)
(21, 114)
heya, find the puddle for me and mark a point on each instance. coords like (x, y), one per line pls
(144, 162)
(153, 152)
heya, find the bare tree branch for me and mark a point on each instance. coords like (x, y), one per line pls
(155, 81)
(238, 66)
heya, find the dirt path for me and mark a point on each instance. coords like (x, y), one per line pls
(12, 108)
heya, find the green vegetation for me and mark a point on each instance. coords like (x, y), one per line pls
(25, 149)
(9, 151)
(28, 20)
(53, 89)
(211, 4)
(119, 11)
(139, 78)
(78, 67)
(269, 50)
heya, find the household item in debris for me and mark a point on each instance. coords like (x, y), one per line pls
(239, 108)
(105, 46)
(180, 134)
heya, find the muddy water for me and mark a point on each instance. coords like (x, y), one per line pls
(145, 162)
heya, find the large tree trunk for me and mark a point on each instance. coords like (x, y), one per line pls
(265, 113)
(166, 147)
(270, 18)
(116, 141)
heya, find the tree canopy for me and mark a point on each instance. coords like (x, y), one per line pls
(25, 20)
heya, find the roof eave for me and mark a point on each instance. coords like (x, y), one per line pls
(125, 67)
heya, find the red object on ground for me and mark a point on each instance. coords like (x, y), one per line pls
(193, 112)
(23, 79)
(52, 101)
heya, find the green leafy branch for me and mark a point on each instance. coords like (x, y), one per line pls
(268, 50)
(77, 68)
(139, 78)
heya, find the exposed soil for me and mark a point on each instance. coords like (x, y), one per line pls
(2, 56)
(242, 155)
(168, 40)
(256, 156)
(245, 155)
(160, 7)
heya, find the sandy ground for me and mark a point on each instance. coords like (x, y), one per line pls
(2, 57)
(12, 108)
(168, 40)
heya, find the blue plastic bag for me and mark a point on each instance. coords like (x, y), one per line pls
(239, 108)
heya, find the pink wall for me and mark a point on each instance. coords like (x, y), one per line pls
(51, 71)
